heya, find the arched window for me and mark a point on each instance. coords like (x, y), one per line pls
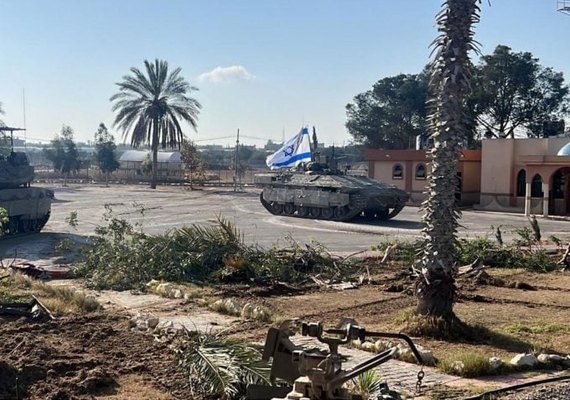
(536, 186)
(420, 171)
(397, 172)
(558, 184)
(521, 183)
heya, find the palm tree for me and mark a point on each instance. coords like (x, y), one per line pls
(448, 122)
(151, 107)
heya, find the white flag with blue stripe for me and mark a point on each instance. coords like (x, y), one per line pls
(294, 152)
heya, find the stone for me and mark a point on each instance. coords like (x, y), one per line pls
(232, 306)
(164, 289)
(143, 322)
(368, 346)
(524, 360)
(260, 314)
(247, 310)
(457, 367)
(380, 346)
(152, 322)
(495, 363)
(550, 358)
(152, 283)
(177, 294)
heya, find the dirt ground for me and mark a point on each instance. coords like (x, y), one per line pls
(85, 357)
(98, 356)
(521, 320)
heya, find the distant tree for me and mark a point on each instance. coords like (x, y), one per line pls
(391, 114)
(513, 92)
(63, 153)
(150, 106)
(105, 156)
(192, 161)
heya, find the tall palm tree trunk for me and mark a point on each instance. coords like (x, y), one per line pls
(154, 146)
(450, 75)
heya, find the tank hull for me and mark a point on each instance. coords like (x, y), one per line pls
(28, 208)
(329, 196)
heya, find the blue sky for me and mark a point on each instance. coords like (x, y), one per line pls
(263, 66)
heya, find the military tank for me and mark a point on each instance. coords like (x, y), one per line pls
(321, 193)
(28, 208)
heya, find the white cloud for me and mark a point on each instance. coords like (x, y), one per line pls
(226, 74)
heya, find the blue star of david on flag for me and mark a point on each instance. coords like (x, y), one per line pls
(294, 152)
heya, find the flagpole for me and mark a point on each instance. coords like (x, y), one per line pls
(236, 174)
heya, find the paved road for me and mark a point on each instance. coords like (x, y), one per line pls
(172, 207)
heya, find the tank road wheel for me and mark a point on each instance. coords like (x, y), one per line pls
(327, 213)
(302, 211)
(289, 209)
(315, 212)
(277, 208)
(369, 214)
(13, 225)
(34, 225)
(382, 214)
(24, 226)
(340, 213)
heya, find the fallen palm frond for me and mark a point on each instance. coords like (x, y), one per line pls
(219, 366)
(120, 258)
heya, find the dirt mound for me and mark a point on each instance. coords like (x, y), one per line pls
(81, 357)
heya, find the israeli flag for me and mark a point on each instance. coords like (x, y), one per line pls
(294, 152)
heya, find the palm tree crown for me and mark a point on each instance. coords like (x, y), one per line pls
(151, 107)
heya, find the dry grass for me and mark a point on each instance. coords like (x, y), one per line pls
(59, 300)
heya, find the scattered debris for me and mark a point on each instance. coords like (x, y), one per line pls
(39, 271)
(34, 309)
(565, 260)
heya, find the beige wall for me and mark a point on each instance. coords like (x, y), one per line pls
(497, 157)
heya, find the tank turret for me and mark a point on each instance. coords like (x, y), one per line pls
(28, 208)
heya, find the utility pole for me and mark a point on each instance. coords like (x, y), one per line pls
(236, 165)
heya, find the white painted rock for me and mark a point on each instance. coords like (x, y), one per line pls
(260, 314)
(457, 366)
(143, 321)
(495, 363)
(368, 346)
(524, 360)
(233, 306)
(380, 346)
(550, 358)
(247, 310)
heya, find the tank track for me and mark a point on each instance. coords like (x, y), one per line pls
(17, 226)
(345, 213)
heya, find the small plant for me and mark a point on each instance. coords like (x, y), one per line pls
(525, 237)
(537, 236)
(368, 384)
(466, 364)
(63, 246)
(71, 219)
(556, 240)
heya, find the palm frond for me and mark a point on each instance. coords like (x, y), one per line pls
(219, 366)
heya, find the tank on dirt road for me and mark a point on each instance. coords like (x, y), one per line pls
(316, 192)
(28, 208)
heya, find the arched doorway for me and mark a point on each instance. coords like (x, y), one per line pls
(560, 193)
